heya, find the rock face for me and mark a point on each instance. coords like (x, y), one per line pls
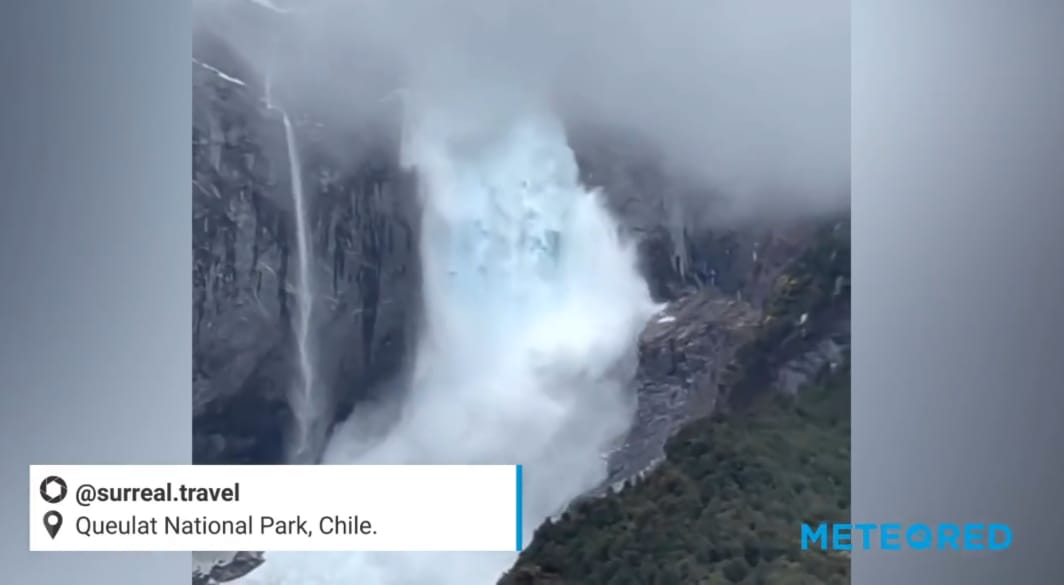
(678, 375)
(214, 568)
(363, 231)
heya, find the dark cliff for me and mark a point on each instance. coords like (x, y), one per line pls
(364, 238)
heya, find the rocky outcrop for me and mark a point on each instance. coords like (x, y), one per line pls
(805, 323)
(215, 568)
(826, 354)
(678, 376)
(364, 238)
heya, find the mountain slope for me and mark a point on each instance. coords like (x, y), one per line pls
(726, 504)
(724, 507)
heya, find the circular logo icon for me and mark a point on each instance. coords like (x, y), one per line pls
(53, 489)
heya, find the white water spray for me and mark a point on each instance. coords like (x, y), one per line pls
(305, 406)
(532, 302)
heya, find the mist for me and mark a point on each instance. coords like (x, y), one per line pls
(747, 99)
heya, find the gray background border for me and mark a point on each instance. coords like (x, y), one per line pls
(95, 258)
(958, 161)
(958, 279)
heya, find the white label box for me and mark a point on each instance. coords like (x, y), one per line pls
(442, 508)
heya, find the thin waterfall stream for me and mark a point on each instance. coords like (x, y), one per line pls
(306, 406)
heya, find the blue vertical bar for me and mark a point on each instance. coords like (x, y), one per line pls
(520, 509)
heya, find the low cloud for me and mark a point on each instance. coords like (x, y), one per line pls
(749, 99)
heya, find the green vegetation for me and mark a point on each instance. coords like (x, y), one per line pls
(725, 506)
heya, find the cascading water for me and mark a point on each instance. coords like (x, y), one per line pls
(303, 445)
(532, 303)
(303, 401)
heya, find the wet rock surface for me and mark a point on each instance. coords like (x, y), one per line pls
(364, 237)
(363, 234)
(677, 378)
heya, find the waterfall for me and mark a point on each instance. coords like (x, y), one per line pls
(304, 442)
(532, 303)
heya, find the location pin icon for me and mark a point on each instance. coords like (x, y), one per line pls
(52, 521)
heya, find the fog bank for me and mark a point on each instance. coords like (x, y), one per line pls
(748, 98)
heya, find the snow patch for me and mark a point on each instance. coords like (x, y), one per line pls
(219, 73)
